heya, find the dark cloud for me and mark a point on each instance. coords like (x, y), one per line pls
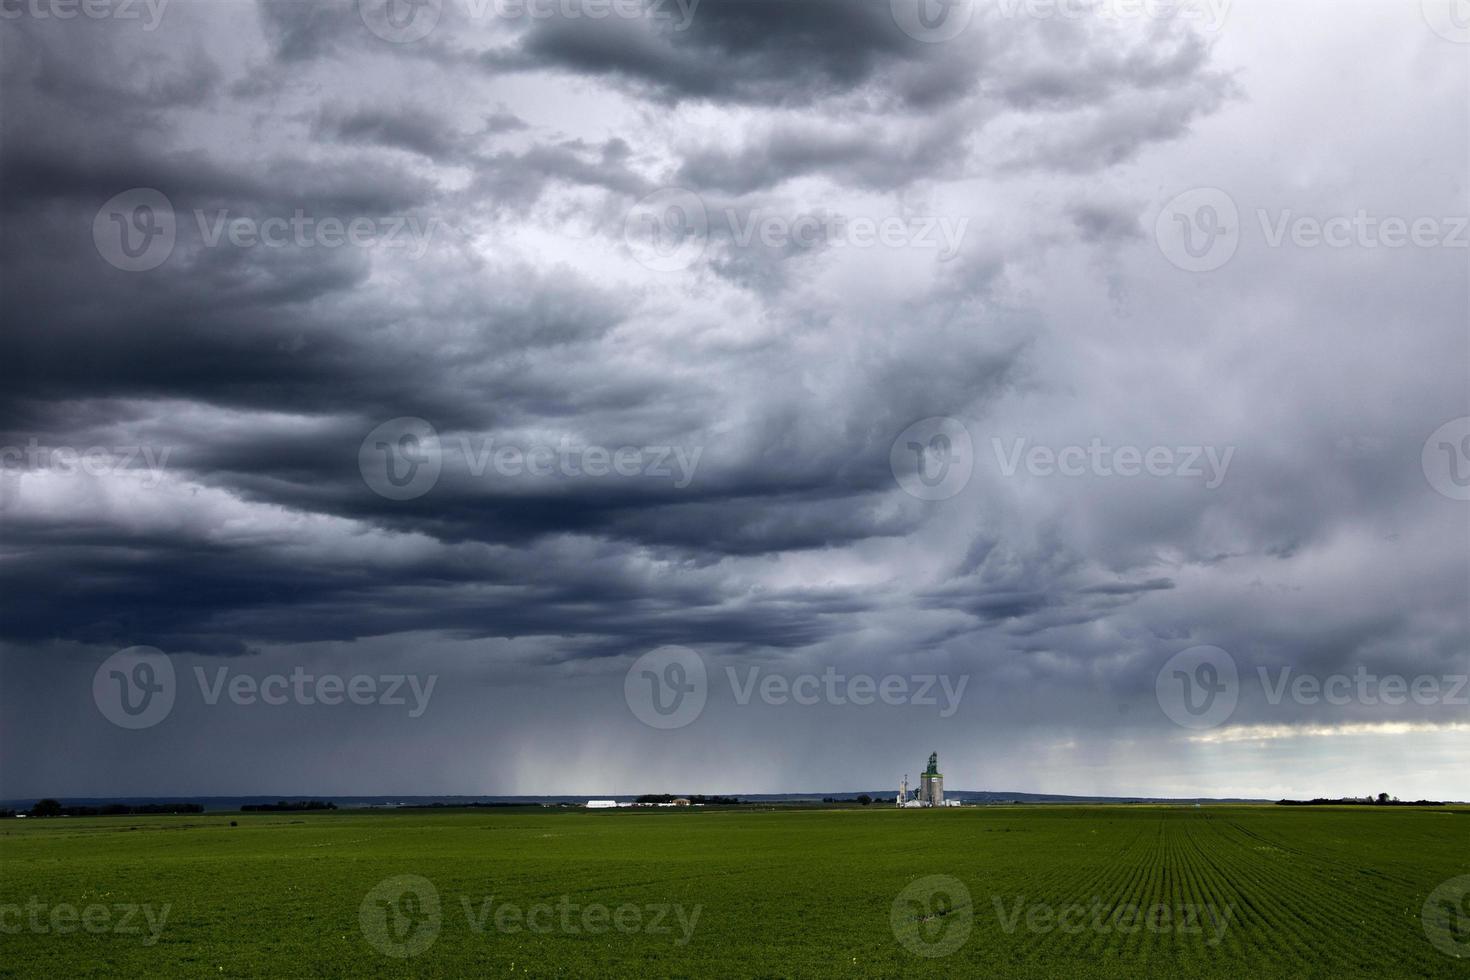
(764, 51)
(861, 155)
(408, 128)
(1100, 222)
(300, 32)
(514, 309)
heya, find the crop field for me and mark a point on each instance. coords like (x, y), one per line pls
(1122, 891)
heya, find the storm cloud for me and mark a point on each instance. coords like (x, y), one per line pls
(668, 284)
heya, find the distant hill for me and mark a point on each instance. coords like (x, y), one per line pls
(880, 797)
(996, 796)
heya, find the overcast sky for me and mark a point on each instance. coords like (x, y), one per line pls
(1086, 376)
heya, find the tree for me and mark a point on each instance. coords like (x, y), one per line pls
(1382, 797)
(46, 808)
(865, 799)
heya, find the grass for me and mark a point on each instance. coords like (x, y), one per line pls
(1273, 892)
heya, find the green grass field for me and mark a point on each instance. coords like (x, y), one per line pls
(1052, 891)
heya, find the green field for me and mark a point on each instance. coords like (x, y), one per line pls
(1228, 891)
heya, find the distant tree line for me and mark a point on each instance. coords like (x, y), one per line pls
(862, 798)
(694, 798)
(282, 806)
(1382, 799)
(55, 808)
